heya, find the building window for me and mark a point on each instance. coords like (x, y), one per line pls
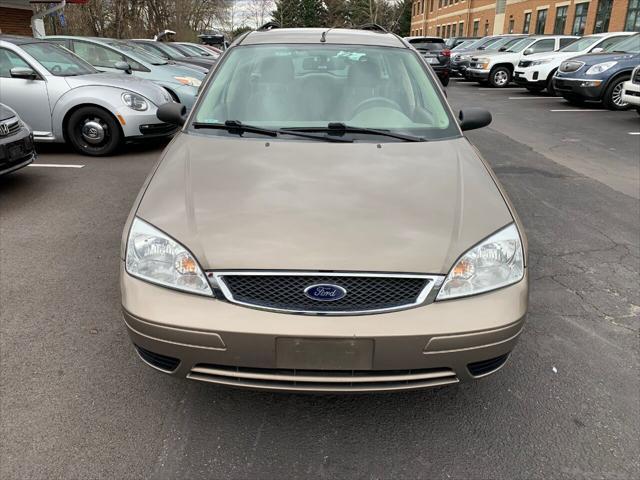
(461, 29)
(603, 15)
(580, 20)
(431, 6)
(527, 22)
(453, 29)
(541, 21)
(511, 25)
(561, 20)
(439, 3)
(486, 28)
(437, 31)
(448, 31)
(476, 25)
(632, 23)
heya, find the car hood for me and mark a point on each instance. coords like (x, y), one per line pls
(594, 58)
(251, 204)
(169, 70)
(6, 112)
(150, 90)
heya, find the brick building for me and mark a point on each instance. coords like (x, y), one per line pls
(15, 17)
(450, 18)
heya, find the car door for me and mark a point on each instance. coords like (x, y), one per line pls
(27, 97)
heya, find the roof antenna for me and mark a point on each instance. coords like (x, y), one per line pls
(323, 38)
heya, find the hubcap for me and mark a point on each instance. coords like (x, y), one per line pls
(93, 132)
(500, 78)
(616, 96)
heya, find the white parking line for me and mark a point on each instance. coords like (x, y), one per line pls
(54, 165)
(533, 98)
(580, 110)
(634, 133)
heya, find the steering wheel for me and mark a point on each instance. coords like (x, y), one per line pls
(56, 69)
(374, 102)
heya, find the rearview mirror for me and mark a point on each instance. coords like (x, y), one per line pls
(23, 72)
(124, 66)
(174, 113)
(597, 50)
(528, 51)
(472, 118)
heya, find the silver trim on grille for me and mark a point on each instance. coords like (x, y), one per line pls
(9, 127)
(425, 297)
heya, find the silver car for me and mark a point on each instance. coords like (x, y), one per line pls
(63, 98)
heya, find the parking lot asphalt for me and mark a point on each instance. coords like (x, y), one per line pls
(76, 402)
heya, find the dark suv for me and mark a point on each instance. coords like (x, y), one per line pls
(599, 76)
(16, 142)
(435, 53)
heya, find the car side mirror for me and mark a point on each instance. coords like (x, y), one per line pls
(124, 66)
(174, 113)
(472, 118)
(23, 72)
(502, 49)
(528, 51)
(597, 50)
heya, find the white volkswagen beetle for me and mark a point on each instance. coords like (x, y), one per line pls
(63, 98)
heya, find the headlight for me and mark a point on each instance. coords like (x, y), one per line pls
(153, 256)
(194, 82)
(496, 262)
(483, 60)
(465, 58)
(600, 67)
(538, 62)
(134, 101)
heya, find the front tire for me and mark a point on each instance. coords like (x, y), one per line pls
(499, 77)
(612, 98)
(550, 88)
(94, 131)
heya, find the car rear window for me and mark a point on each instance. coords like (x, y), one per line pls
(432, 44)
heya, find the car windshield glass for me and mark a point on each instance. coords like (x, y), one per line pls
(628, 45)
(580, 45)
(464, 45)
(58, 60)
(519, 45)
(423, 43)
(502, 42)
(168, 49)
(138, 53)
(195, 50)
(304, 86)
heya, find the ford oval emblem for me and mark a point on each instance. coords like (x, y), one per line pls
(325, 292)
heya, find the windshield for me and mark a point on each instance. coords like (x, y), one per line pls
(171, 50)
(581, 44)
(428, 44)
(305, 86)
(463, 45)
(58, 60)
(628, 45)
(503, 42)
(138, 52)
(519, 45)
(195, 50)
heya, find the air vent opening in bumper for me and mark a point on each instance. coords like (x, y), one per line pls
(161, 362)
(485, 367)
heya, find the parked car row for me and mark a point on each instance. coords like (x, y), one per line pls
(94, 93)
(595, 67)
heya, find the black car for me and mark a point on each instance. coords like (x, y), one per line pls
(435, 53)
(599, 76)
(16, 142)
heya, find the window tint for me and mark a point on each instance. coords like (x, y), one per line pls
(566, 41)
(546, 45)
(97, 55)
(428, 44)
(9, 60)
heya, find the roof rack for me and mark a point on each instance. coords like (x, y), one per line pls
(268, 26)
(373, 27)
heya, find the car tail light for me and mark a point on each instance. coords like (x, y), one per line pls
(446, 53)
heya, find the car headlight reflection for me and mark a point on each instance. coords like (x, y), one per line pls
(194, 82)
(155, 257)
(496, 262)
(600, 67)
(135, 101)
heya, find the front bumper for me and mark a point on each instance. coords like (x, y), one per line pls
(529, 78)
(476, 74)
(631, 93)
(215, 341)
(589, 89)
(136, 125)
(16, 151)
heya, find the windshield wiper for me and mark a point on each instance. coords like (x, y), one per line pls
(236, 126)
(341, 128)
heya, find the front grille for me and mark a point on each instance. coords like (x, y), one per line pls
(157, 128)
(9, 127)
(570, 66)
(286, 292)
(487, 366)
(323, 380)
(524, 63)
(162, 362)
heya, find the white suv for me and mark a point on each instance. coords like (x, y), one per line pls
(497, 68)
(535, 72)
(631, 90)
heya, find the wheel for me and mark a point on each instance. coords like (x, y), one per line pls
(94, 131)
(444, 81)
(573, 99)
(534, 89)
(500, 77)
(550, 88)
(612, 98)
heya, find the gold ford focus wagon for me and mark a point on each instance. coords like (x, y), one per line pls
(320, 223)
